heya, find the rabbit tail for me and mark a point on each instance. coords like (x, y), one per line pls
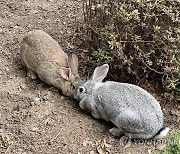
(161, 133)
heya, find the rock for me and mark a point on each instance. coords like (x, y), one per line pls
(149, 151)
(34, 129)
(160, 146)
(35, 101)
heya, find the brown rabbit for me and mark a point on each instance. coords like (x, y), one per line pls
(43, 56)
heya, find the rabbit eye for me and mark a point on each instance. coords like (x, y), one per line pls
(81, 89)
(73, 86)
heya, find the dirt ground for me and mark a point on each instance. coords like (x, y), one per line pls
(34, 117)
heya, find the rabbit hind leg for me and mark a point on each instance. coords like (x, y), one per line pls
(116, 131)
(138, 135)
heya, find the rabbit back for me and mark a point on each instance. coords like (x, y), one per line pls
(39, 48)
(129, 107)
(43, 56)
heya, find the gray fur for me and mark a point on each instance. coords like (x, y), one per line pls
(134, 111)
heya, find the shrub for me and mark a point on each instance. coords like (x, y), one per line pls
(140, 39)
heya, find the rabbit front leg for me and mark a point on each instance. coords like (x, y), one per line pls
(31, 74)
(87, 104)
(95, 115)
(82, 104)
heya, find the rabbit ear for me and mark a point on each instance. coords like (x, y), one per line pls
(100, 73)
(65, 72)
(73, 63)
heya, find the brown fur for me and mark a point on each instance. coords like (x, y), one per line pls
(43, 56)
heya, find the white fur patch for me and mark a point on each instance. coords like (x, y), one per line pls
(163, 133)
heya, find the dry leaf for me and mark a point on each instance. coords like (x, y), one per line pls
(101, 150)
(149, 151)
(107, 145)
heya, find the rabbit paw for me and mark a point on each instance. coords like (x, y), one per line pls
(82, 104)
(116, 131)
(31, 74)
(95, 115)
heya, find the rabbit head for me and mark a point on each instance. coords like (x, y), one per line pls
(88, 86)
(70, 76)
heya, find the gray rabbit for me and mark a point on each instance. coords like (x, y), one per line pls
(134, 111)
